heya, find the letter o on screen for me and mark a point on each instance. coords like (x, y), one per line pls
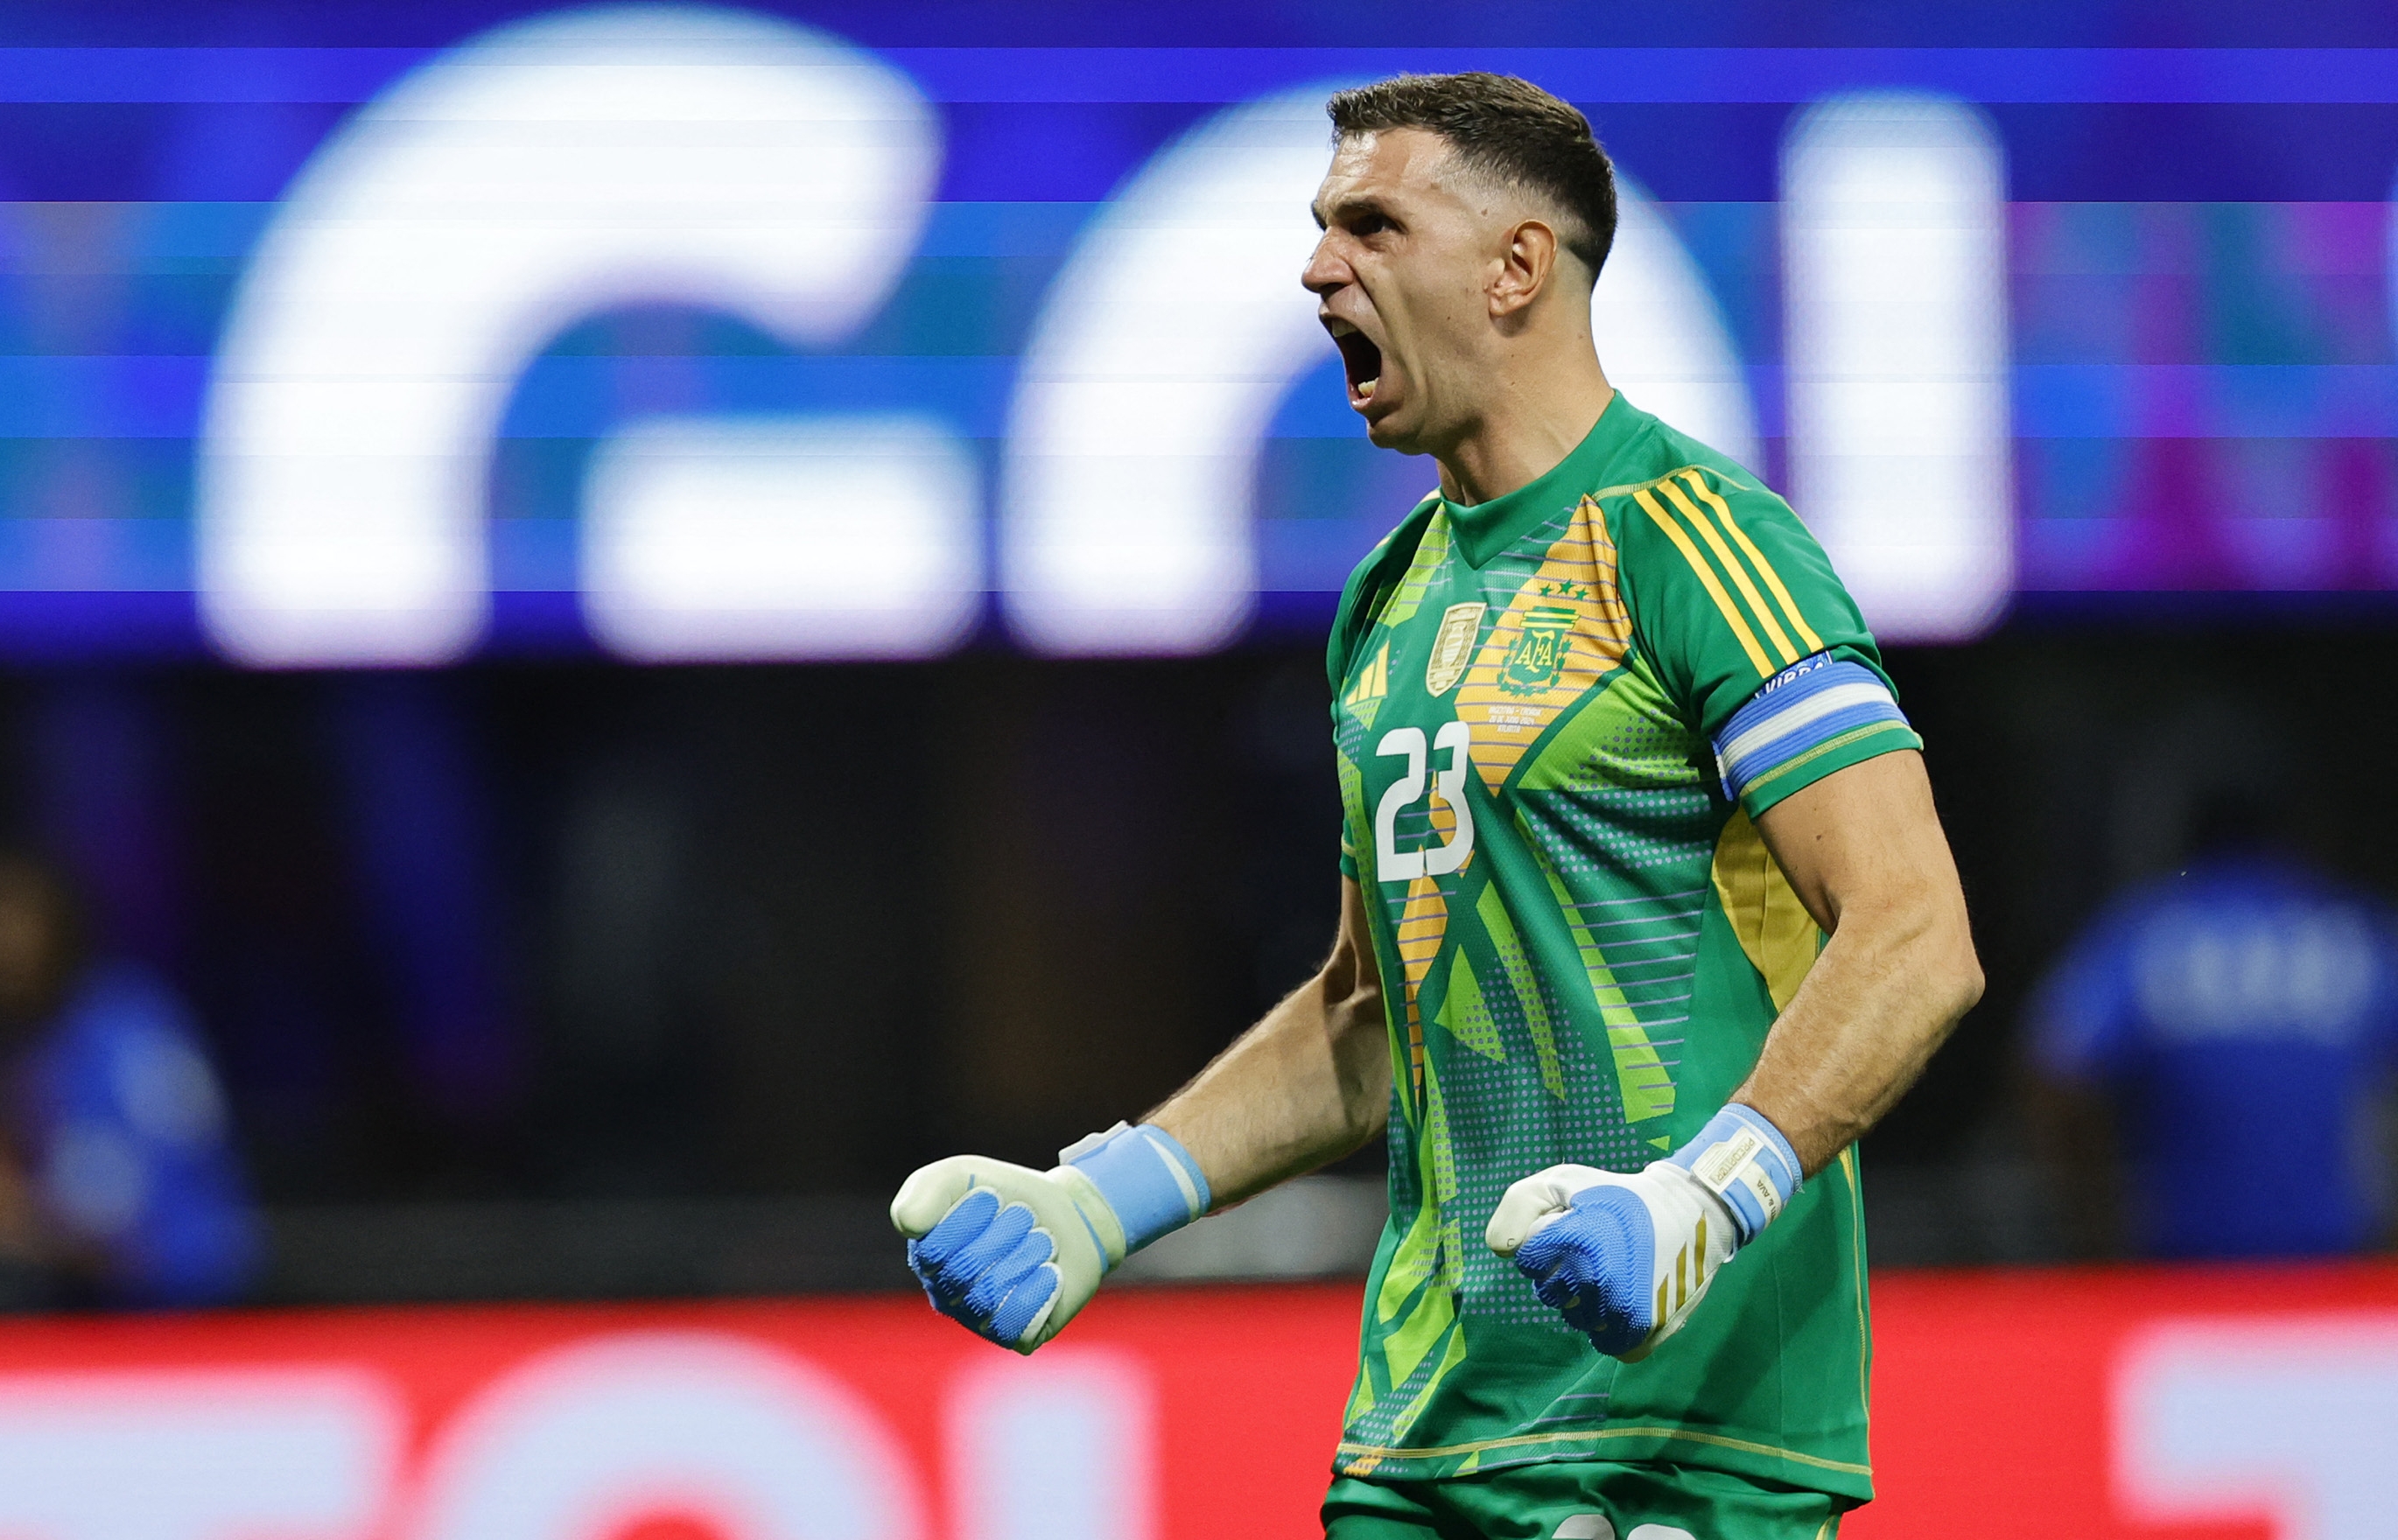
(1164, 346)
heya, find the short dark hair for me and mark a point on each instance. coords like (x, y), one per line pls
(1503, 127)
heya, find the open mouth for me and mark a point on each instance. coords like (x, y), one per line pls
(1361, 360)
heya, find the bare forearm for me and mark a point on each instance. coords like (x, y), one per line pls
(1306, 1085)
(1887, 991)
(1864, 851)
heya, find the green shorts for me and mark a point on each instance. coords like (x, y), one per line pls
(1580, 1500)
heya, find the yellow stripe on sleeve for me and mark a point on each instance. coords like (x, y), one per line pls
(1756, 604)
(1706, 580)
(1764, 568)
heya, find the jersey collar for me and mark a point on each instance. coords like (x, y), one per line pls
(1483, 529)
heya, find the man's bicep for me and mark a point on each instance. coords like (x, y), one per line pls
(1868, 832)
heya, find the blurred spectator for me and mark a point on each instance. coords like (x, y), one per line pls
(2214, 1053)
(119, 1184)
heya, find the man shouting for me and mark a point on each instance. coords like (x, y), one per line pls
(1647, 917)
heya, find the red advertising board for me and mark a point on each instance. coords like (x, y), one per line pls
(2189, 1403)
(2162, 1404)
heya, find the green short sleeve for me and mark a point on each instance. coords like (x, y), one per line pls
(1752, 634)
(1727, 589)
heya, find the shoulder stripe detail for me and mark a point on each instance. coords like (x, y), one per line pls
(1800, 713)
(1627, 487)
(1764, 568)
(1706, 580)
(1738, 573)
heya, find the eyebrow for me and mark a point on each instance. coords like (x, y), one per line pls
(1355, 202)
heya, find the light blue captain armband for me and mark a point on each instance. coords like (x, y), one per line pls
(1815, 707)
(1146, 1176)
(1743, 1158)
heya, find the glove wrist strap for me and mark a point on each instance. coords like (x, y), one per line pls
(1744, 1159)
(1146, 1178)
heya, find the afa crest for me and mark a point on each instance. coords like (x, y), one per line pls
(1539, 654)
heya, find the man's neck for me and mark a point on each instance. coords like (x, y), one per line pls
(1537, 419)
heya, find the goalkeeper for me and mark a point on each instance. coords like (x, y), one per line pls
(1646, 915)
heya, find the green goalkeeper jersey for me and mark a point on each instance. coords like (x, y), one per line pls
(1583, 942)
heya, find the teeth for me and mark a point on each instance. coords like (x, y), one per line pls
(1366, 387)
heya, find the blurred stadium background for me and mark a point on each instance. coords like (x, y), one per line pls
(425, 436)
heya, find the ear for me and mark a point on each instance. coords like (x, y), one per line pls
(1527, 263)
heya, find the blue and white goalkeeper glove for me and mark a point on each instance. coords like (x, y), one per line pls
(1628, 1258)
(1013, 1252)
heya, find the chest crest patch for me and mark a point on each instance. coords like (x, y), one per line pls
(1538, 655)
(1453, 649)
(1565, 630)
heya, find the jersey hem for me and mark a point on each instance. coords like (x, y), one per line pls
(1648, 1443)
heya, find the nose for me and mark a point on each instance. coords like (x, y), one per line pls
(1325, 270)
